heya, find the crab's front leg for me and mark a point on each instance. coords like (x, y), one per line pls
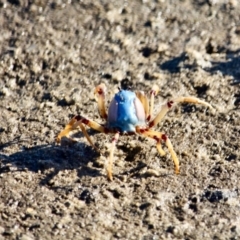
(148, 108)
(100, 93)
(159, 137)
(79, 121)
(144, 100)
(169, 105)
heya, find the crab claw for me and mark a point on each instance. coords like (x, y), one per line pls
(99, 93)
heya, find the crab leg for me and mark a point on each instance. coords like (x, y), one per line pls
(144, 100)
(158, 136)
(110, 159)
(65, 132)
(154, 92)
(100, 93)
(76, 122)
(87, 135)
(167, 106)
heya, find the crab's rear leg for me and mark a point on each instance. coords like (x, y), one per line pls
(159, 137)
(100, 93)
(169, 105)
(79, 121)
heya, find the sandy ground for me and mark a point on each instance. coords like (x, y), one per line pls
(53, 54)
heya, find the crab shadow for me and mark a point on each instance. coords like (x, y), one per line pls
(50, 159)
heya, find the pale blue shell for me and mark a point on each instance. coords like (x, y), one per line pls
(125, 112)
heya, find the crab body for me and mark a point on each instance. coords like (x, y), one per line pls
(125, 112)
(129, 113)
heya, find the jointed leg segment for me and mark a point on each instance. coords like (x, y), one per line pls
(154, 92)
(167, 106)
(79, 121)
(144, 100)
(110, 159)
(158, 136)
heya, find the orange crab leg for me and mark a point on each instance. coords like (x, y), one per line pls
(100, 93)
(167, 106)
(158, 136)
(110, 159)
(154, 92)
(78, 121)
(144, 100)
(68, 128)
(87, 135)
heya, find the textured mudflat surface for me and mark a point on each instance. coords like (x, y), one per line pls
(51, 58)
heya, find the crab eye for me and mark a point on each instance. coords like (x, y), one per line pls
(139, 110)
(126, 84)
